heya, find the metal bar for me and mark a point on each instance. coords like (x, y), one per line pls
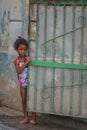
(53, 59)
(63, 52)
(28, 54)
(63, 43)
(44, 56)
(58, 65)
(72, 58)
(63, 2)
(66, 33)
(66, 85)
(73, 33)
(81, 62)
(36, 68)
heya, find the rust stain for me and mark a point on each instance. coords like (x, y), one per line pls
(27, 1)
(27, 7)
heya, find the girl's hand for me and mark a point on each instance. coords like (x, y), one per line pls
(28, 59)
(20, 69)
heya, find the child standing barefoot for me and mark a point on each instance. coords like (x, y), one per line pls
(21, 66)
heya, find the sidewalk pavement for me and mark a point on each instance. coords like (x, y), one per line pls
(9, 120)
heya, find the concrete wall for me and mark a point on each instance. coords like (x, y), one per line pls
(13, 22)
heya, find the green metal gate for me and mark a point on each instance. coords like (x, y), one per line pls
(58, 49)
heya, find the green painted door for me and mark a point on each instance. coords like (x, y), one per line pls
(58, 49)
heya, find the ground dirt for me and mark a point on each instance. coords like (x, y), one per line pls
(9, 120)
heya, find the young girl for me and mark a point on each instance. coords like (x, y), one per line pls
(21, 66)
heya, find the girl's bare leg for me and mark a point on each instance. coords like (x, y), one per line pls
(33, 120)
(23, 96)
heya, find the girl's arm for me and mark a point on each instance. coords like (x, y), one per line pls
(20, 69)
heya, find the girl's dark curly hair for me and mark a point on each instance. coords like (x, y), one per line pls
(20, 41)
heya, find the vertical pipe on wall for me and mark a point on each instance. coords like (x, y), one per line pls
(72, 59)
(44, 57)
(53, 58)
(29, 29)
(63, 52)
(36, 58)
(81, 62)
(28, 54)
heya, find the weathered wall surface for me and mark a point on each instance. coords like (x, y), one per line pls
(13, 22)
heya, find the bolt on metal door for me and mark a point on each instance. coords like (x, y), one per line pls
(58, 49)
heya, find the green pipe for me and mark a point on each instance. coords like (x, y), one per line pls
(36, 68)
(53, 59)
(63, 43)
(81, 62)
(58, 65)
(63, 53)
(72, 59)
(63, 2)
(73, 33)
(44, 56)
(28, 66)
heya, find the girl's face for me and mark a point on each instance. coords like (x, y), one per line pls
(22, 50)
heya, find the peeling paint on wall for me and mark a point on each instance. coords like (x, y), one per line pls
(13, 22)
(3, 22)
(4, 31)
(25, 10)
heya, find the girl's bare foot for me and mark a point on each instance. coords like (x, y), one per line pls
(32, 122)
(25, 121)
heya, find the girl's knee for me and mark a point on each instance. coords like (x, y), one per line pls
(24, 101)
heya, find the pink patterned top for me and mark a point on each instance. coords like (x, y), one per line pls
(23, 77)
